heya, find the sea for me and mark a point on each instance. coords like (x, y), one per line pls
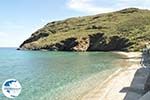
(53, 75)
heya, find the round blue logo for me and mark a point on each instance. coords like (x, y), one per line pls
(11, 88)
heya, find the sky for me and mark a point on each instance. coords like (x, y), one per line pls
(20, 18)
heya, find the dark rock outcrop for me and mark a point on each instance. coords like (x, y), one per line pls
(65, 45)
(34, 37)
(99, 42)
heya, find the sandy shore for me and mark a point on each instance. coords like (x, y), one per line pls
(111, 88)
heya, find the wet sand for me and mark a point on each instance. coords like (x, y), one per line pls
(111, 88)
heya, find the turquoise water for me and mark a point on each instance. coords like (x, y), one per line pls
(55, 75)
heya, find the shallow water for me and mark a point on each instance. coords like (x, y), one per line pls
(55, 75)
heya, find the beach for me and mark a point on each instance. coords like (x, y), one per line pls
(112, 87)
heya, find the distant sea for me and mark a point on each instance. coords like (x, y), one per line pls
(47, 75)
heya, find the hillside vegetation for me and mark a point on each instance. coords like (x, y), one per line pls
(124, 30)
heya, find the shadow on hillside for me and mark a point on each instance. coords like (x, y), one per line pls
(65, 45)
(100, 42)
(141, 81)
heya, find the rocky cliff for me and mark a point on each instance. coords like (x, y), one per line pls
(124, 30)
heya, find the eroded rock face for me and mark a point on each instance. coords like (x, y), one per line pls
(82, 44)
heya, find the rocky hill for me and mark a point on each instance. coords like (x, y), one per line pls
(124, 30)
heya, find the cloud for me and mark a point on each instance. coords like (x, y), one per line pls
(102, 6)
(134, 3)
(86, 6)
